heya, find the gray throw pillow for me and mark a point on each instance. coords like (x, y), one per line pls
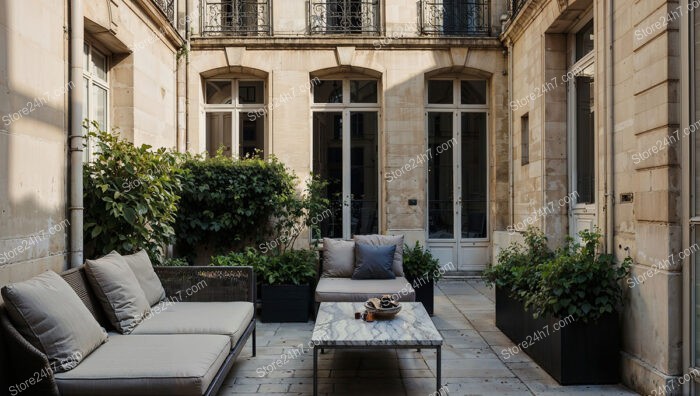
(148, 280)
(118, 290)
(377, 240)
(374, 262)
(338, 258)
(50, 315)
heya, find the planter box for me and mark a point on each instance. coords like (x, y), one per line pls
(425, 293)
(285, 303)
(577, 353)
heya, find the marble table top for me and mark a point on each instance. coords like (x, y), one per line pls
(336, 325)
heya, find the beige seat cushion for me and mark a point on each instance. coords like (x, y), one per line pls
(48, 313)
(350, 290)
(224, 318)
(148, 365)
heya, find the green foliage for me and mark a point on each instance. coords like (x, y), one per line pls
(518, 265)
(175, 262)
(130, 197)
(229, 203)
(573, 280)
(580, 282)
(293, 267)
(419, 262)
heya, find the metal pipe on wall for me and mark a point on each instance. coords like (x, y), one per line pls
(77, 137)
(610, 131)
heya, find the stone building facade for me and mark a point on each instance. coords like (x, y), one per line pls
(457, 123)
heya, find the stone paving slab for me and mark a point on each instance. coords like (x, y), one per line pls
(472, 362)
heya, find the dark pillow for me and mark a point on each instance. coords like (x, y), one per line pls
(374, 262)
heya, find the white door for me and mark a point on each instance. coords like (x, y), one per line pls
(457, 193)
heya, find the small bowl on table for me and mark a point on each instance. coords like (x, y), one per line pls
(383, 313)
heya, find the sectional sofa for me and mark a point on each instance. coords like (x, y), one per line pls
(72, 335)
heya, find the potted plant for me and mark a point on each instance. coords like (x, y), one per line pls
(422, 271)
(561, 307)
(286, 286)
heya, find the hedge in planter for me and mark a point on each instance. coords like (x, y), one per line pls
(537, 290)
(422, 271)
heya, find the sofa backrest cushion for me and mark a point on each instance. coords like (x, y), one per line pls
(374, 262)
(118, 290)
(379, 240)
(141, 265)
(51, 316)
(338, 258)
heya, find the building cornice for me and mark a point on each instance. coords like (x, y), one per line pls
(517, 25)
(332, 42)
(164, 26)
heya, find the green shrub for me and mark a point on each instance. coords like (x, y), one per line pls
(573, 280)
(293, 267)
(419, 262)
(130, 197)
(227, 204)
(175, 262)
(249, 257)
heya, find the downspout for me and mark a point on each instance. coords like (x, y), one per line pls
(511, 177)
(187, 73)
(76, 134)
(610, 132)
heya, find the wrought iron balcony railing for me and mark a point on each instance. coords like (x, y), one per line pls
(515, 6)
(236, 17)
(456, 17)
(168, 8)
(344, 16)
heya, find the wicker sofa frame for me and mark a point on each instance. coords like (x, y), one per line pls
(223, 284)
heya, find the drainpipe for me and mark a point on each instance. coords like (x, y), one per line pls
(76, 133)
(511, 186)
(610, 132)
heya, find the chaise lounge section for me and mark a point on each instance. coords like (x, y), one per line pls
(185, 345)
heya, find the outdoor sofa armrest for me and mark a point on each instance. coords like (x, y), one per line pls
(30, 372)
(208, 284)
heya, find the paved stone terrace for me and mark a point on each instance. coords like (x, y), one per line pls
(472, 361)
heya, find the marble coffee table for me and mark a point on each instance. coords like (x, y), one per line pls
(337, 328)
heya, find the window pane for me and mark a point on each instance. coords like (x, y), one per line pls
(218, 92)
(86, 57)
(585, 177)
(473, 92)
(440, 92)
(251, 135)
(440, 177)
(584, 41)
(363, 173)
(251, 92)
(86, 107)
(99, 65)
(328, 91)
(328, 164)
(99, 106)
(363, 91)
(474, 183)
(219, 132)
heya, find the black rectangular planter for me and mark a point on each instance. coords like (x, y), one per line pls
(285, 303)
(577, 354)
(425, 293)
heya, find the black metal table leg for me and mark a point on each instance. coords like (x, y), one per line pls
(315, 371)
(439, 369)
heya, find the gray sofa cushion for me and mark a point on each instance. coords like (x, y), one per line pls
(183, 364)
(338, 258)
(377, 240)
(350, 290)
(224, 318)
(48, 313)
(374, 262)
(141, 265)
(118, 290)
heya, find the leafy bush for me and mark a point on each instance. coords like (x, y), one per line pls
(175, 262)
(130, 197)
(419, 262)
(518, 265)
(574, 280)
(227, 203)
(580, 282)
(293, 267)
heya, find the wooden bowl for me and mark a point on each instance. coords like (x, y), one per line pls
(383, 313)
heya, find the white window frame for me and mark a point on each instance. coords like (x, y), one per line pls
(93, 80)
(236, 109)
